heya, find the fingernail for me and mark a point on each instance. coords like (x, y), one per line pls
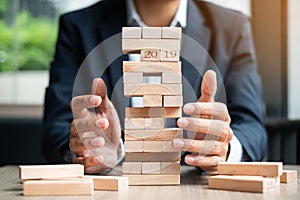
(189, 109)
(183, 123)
(101, 123)
(95, 100)
(177, 143)
(190, 160)
(97, 142)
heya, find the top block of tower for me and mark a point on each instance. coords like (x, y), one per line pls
(171, 32)
(132, 32)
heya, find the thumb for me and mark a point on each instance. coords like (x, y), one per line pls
(208, 87)
(99, 88)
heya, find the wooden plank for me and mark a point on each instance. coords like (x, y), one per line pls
(50, 171)
(170, 167)
(153, 157)
(151, 32)
(153, 179)
(132, 167)
(59, 187)
(171, 32)
(171, 77)
(133, 146)
(154, 123)
(151, 67)
(132, 32)
(146, 89)
(168, 147)
(135, 45)
(269, 169)
(153, 146)
(110, 183)
(133, 77)
(134, 123)
(151, 168)
(173, 112)
(169, 55)
(164, 134)
(288, 176)
(173, 101)
(153, 55)
(152, 100)
(241, 183)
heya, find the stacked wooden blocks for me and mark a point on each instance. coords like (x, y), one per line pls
(150, 158)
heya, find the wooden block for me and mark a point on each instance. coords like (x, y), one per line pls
(173, 101)
(150, 55)
(164, 134)
(153, 146)
(153, 179)
(152, 100)
(151, 32)
(170, 167)
(151, 168)
(133, 146)
(132, 32)
(153, 157)
(62, 187)
(168, 147)
(154, 123)
(169, 55)
(146, 89)
(288, 176)
(133, 77)
(151, 67)
(171, 77)
(269, 169)
(171, 32)
(111, 183)
(132, 167)
(27, 172)
(134, 123)
(241, 183)
(154, 112)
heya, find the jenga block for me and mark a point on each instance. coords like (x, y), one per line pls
(241, 183)
(151, 55)
(153, 179)
(135, 45)
(50, 171)
(154, 123)
(151, 32)
(153, 112)
(164, 134)
(113, 183)
(171, 77)
(288, 176)
(133, 77)
(169, 55)
(151, 67)
(153, 157)
(134, 123)
(132, 167)
(133, 146)
(170, 167)
(171, 32)
(152, 100)
(173, 101)
(153, 146)
(168, 147)
(158, 89)
(269, 169)
(61, 187)
(132, 32)
(151, 168)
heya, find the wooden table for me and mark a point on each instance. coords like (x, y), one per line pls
(193, 186)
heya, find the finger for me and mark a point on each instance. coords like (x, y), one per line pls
(82, 125)
(79, 145)
(207, 163)
(208, 87)
(90, 161)
(80, 104)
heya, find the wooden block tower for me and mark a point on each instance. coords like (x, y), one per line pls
(150, 158)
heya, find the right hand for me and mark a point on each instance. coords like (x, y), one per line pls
(95, 136)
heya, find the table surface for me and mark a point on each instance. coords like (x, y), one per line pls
(193, 186)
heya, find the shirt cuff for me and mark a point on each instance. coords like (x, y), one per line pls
(236, 150)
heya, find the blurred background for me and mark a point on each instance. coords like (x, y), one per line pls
(28, 31)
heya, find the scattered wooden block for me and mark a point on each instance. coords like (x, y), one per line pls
(268, 169)
(111, 183)
(153, 157)
(153, 146)
(152, 100)
(154, 123)
(171, 77)
(132, 32)
(151, 32)
(154, 112)
(169, 55)
(146, 89)
(61, 187)
(132, 167)
(171, 32)
(151, 168)
(151, 67)
(170, 167)
(241, 183)
(164, 134)
(153, 179)
(27, 172)
(168, 147)
(150, 55)
(288, 176)
(133, 77)
(133, 146)
(173, 101)
(134, 123)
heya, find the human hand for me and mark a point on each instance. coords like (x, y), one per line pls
(95, 136)
(208, 127)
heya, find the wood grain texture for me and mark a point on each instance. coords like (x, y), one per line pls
(153, 179)
(151, 32)
(151, 67)
(171, 77)
(153, 100)
(133, 77)
(171, 32)
(168, 147)
(153, 157)
(132, 32)
(169, 55)
(156, 89)
(133, 146)
(174, 112)
(134, 123)
(134, 45)
(151, 168)
(164, 134)
(110, 183)
(153, 146)
(170, 167)
(150, 55)
(154, 123)
(132, 167)
(288, 176)
(173, 101)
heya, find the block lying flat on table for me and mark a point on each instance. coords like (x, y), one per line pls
(170, 167)
(114, 183)
(153, 100)
(164, 134)
(133, 146)
(151, 67)
(153, 179)
(174, 112)
(288, 176)
(134, 45)
(80, 186)
(241, 183)
(151, 32)
(158, 89)
(132, 167)
(173, 101)
(132, 32)
(151, 168)
(134, 123)
(50, 171)
(171, 32)
(269, 169)
(153, 157)
(133, 77)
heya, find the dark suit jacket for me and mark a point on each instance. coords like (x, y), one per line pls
(224, 33)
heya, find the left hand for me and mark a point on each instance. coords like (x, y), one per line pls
(209, 125)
